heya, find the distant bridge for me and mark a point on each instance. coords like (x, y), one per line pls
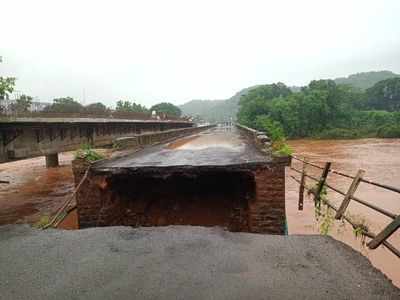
(48, 134)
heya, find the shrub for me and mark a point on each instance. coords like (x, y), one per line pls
(86, 152)
(389, 131)
(273, 128)
(276, 134)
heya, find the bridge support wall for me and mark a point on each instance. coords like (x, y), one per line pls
(245, 199)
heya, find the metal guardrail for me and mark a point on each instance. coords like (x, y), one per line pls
(376, 239)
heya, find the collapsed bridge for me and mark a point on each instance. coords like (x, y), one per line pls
(222, 176)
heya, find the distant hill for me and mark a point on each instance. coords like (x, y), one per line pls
(214, 110)
(221, 110)
(366, 80)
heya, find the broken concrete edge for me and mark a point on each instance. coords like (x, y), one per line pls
(134, 143)
(264, 144)
(152, 170)
(263, 213)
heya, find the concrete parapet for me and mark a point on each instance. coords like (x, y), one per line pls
(138, 140)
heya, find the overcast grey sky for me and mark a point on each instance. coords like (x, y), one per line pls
(154, 51)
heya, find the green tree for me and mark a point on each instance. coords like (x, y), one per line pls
(258, 102)
(96, 108)
(64, 105)
(385, 95)
(127, 106)
(320, 106)
(7, 85)
(22, 104)
(167, 108)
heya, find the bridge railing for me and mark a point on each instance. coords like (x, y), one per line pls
(375, 239)
(102, 115)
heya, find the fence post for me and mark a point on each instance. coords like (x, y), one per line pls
(352, 189)
(385, 234)
(302, 184)
(325, 172)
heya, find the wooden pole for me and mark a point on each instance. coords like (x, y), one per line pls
(317, 195)
(385, 234)
(302, 183)
(352, 189)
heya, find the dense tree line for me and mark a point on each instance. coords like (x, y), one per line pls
(69, 105)
(324, 109)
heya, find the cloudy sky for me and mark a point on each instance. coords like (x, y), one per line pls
(154, 51)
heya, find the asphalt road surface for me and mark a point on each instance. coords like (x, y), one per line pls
(181, 262)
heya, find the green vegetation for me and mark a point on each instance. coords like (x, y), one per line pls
(275, 132)
(384, 95)
(354, 87)
(22, 104)
(7, 85)
(96, 108)
(324, 109)
(64, 105)
(324, 214)
(365, 80)
(43, 221)
(86, 152)
(127, 106)
(167, 108)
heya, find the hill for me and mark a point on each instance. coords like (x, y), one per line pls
(223, 110)
(214, 110)
(366, 80)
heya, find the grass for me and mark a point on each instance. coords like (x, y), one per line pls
(43, 221)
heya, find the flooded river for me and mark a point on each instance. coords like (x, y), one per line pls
(35, 191)
(380, 158)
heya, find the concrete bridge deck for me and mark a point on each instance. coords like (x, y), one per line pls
(224, 146)
(182, 262)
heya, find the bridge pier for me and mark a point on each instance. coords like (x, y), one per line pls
(52, 160)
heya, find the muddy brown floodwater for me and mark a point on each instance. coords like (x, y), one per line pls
(380, 158)
(35, 191)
